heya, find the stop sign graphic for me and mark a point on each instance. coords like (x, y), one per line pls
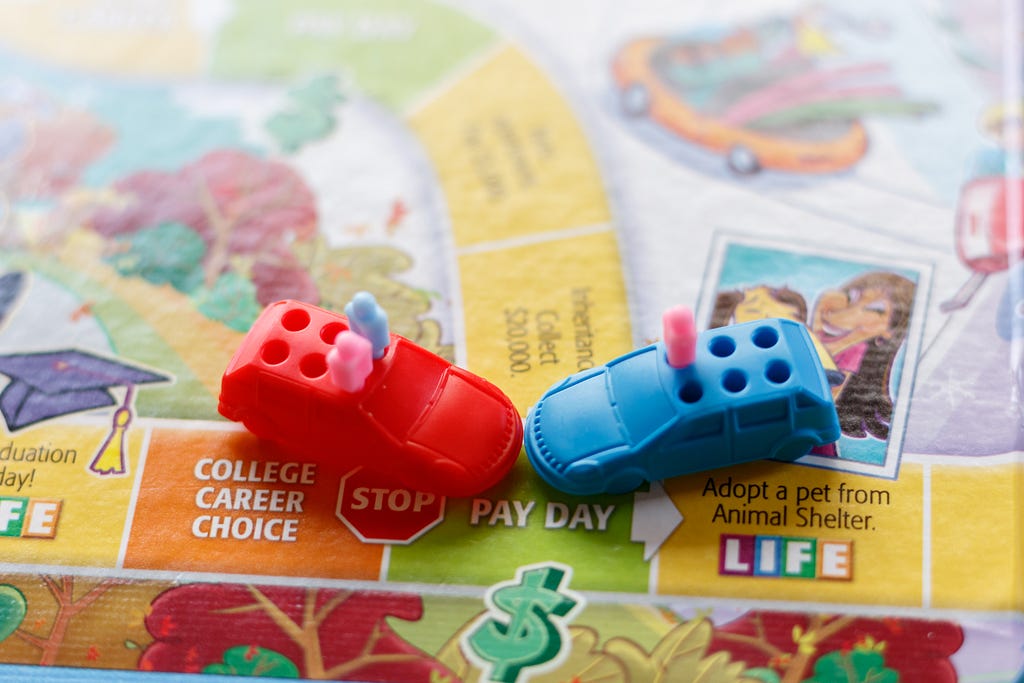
(379, 511)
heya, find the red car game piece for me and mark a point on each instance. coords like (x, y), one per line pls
(430, 425)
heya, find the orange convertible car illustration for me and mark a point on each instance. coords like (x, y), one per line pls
(754, 96)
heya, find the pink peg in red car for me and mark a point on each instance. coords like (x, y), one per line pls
(350, 361)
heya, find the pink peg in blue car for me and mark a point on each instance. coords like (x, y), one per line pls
(350, 361)
(679, 333)
(686, 404)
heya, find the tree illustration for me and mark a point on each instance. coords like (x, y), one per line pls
(247, 210)
(62, 589)
(323, 634)
(793, 644)
(45, 146)
(236, 232)
(340, 272)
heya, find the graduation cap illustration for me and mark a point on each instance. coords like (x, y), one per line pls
(55, 383)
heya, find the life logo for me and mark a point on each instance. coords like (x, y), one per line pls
(525, 630)
(785, 556)
(29, 517)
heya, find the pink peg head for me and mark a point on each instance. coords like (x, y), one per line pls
(350, 361)
(680, 335)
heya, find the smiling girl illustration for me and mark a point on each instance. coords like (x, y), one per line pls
(757, 303)
(763, 301)
(862, 325)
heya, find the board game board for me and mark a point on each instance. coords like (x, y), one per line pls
(524, 187)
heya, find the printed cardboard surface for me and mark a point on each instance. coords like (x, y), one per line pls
(524, 187)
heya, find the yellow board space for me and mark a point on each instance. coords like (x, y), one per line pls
(809, 506)
(153, 38)
(564, 311)
(510, 154)
(976, 532)
(79, 516)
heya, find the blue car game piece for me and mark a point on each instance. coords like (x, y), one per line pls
(755, 390)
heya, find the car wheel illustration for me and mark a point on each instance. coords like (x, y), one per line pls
(636, 100)
(742, 160)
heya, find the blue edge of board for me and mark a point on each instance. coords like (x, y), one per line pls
(12, 673)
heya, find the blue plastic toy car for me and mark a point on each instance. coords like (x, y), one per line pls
(755, 390)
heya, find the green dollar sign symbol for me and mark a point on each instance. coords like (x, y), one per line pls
(529, 638)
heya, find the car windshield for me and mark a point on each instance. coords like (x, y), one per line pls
(642, 403)
(412, 377)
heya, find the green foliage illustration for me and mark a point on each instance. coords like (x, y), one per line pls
(763, 674)
(309, 117)
(13, 608)
(322, 92)
(169, 253)
(295, 128)
(249, 660)
(856, 666)
(231, 300)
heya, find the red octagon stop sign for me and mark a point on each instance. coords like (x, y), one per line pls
(377, 511)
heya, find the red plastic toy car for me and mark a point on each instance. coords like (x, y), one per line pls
(430, 425)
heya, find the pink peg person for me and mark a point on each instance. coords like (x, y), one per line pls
(350, 361)
(679, 333)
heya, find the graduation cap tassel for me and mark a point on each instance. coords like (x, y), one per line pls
(111, 459)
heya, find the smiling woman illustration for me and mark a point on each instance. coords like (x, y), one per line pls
(862, 325)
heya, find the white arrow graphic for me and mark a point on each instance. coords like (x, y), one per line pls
(655, 517)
